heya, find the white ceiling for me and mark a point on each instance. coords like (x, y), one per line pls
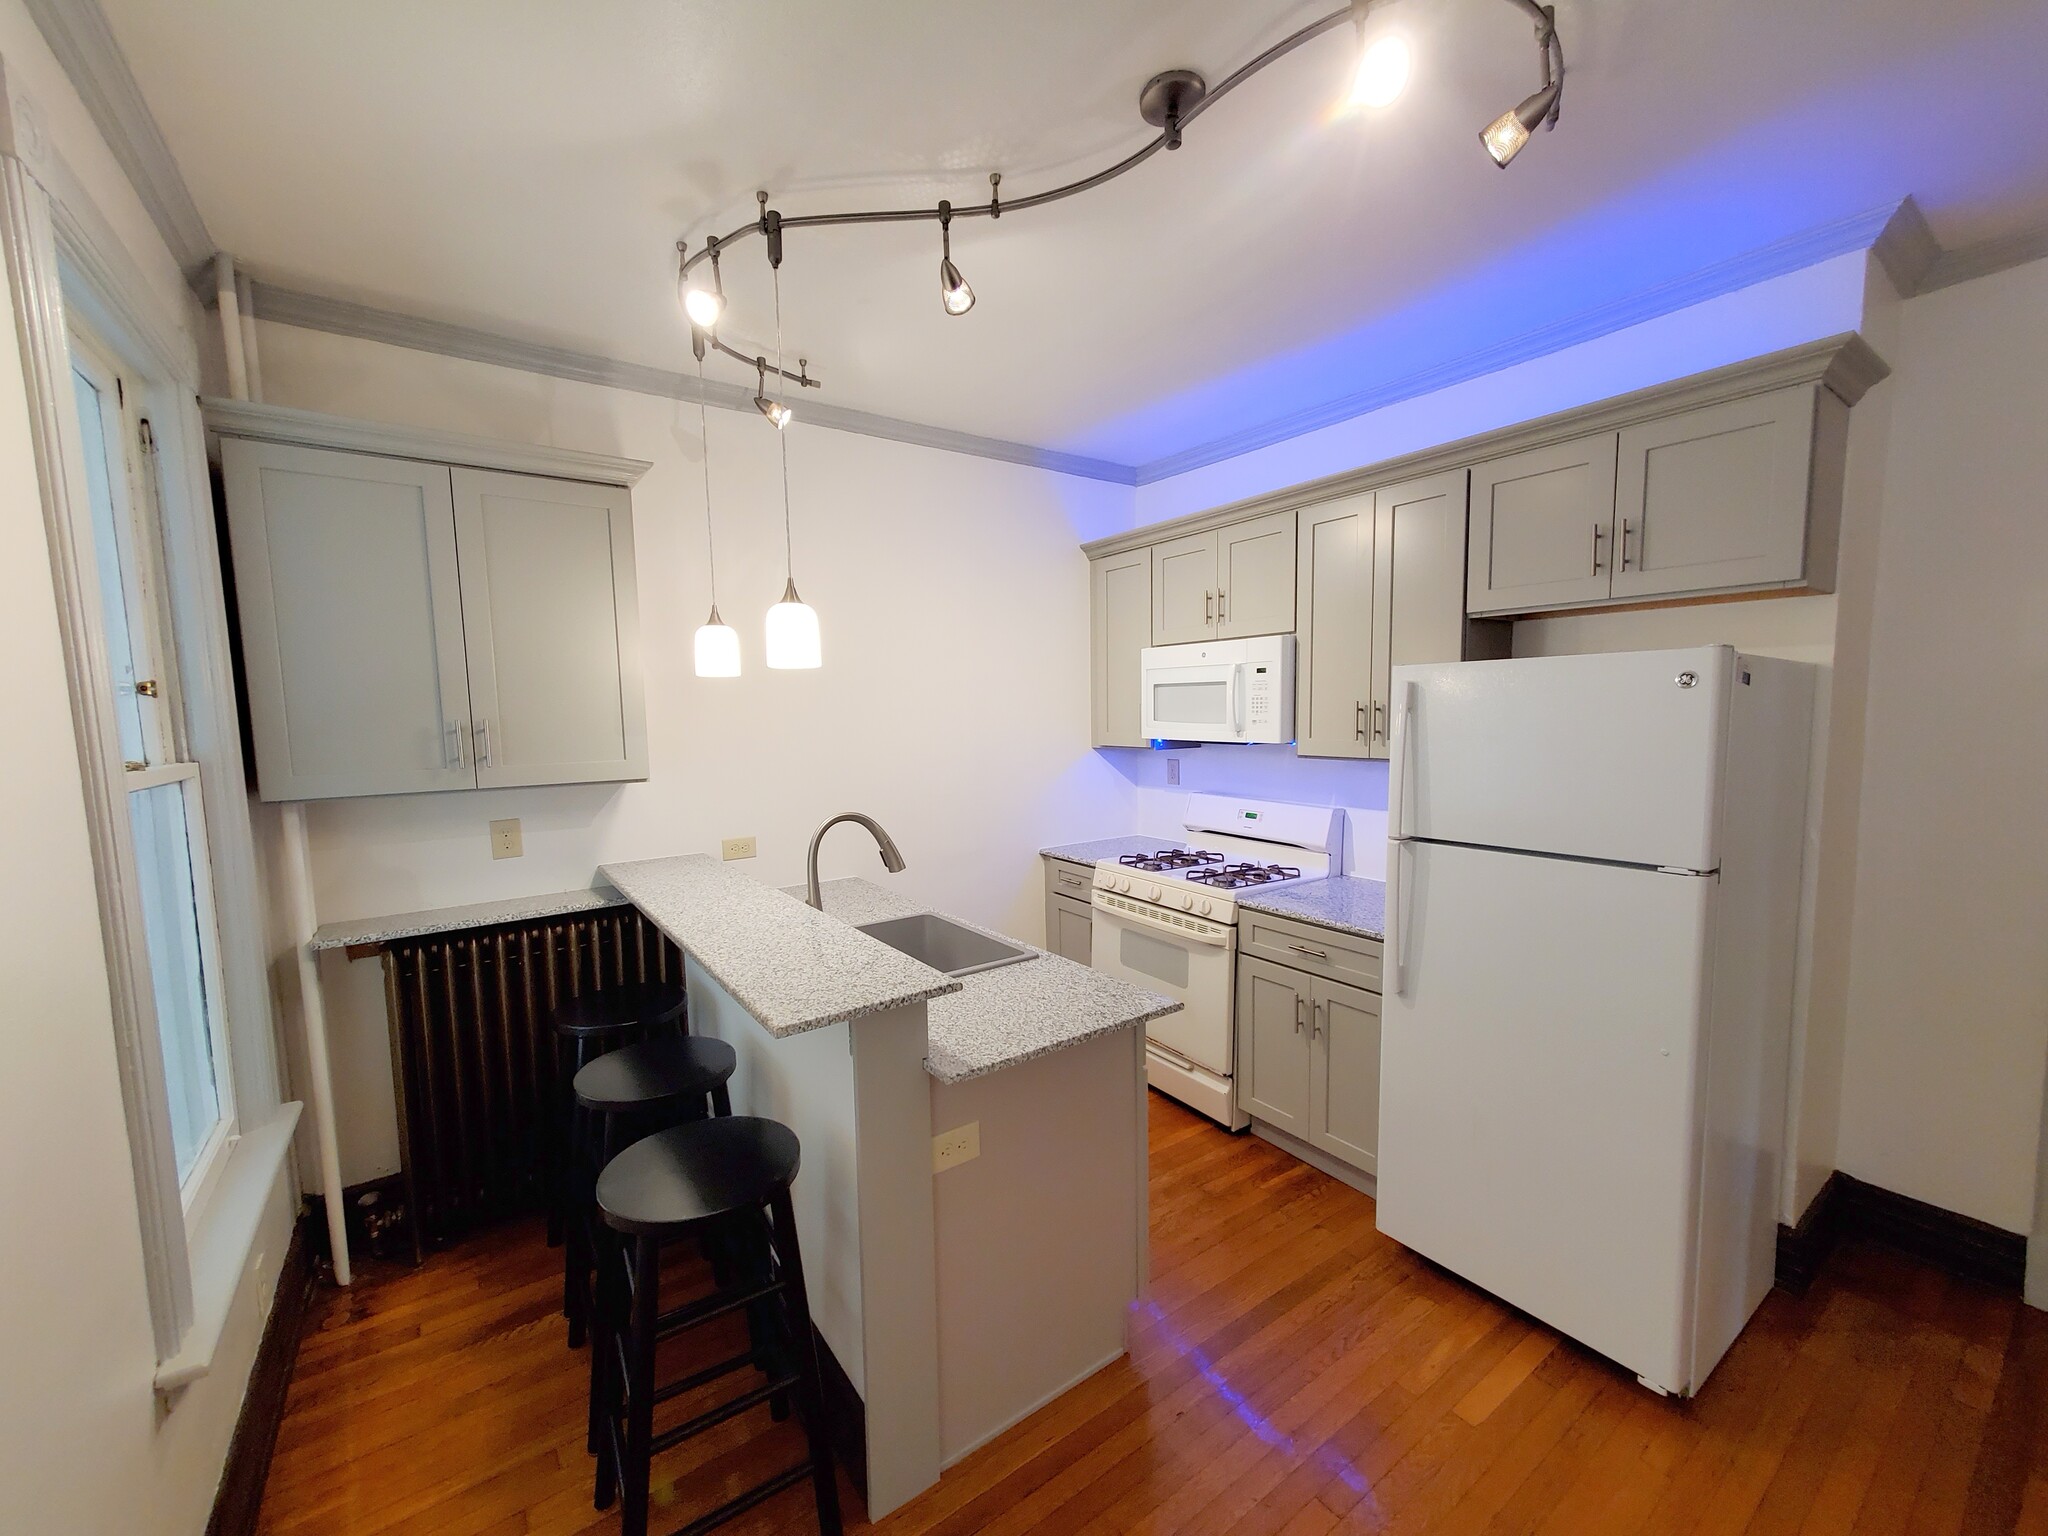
(527, 165)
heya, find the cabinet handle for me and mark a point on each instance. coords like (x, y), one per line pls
(1598, 533)
(1313, 954)
(1358, 728)
(1220, 595)
(483, 743)
(1625, 531)
(1298, 1020)
(1379, 722)
(1208, 607)
(451, 747)
(1315, 1028)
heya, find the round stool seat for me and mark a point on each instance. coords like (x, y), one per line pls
(618, 1008)
(655, 1072)
(692, 1172)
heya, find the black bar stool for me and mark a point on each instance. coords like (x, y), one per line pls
(620, 1097)
(731, 1176)
(585, 1028)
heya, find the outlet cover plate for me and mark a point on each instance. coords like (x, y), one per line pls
(737, 848)
(506, 839)
(962, 1144)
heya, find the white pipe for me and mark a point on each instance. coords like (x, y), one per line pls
(238, 337)
(231, 325)
(245, 314)
(300, 919)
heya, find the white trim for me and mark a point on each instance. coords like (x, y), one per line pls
(313, 429)
(1985, 257)
(36, 291)
(157, 775)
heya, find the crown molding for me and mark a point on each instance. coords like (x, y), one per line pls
(283, 424)
(1986, 257)
(1845, 365)
(1906, 248)
(79, 35)
(345, 317)
(1857, 233)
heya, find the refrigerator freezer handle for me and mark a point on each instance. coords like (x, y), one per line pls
(1397, 769)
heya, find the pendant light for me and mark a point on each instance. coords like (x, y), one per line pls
(794, 643)
(718, 643)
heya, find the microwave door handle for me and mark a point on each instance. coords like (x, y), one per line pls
(1237, 691)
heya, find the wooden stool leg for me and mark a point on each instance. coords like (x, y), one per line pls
(810, 1389)
(640, 1339)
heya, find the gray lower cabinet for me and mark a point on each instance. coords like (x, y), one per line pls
(1308, 1059)
(1120, 607)
(1381, 584)
(410, 625)
(1069, 915)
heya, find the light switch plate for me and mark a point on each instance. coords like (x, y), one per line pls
(506, 841)
(736, 848)
(962, 1144)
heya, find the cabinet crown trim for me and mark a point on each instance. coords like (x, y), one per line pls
(314, 429)
(1845, 364)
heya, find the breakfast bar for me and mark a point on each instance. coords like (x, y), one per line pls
(954, 1302)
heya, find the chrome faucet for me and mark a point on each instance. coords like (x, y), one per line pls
(892, 856)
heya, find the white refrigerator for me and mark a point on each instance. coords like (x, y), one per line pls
(1593, 902)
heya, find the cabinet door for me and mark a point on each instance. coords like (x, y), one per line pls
(1716, 497)
(1273, 1045)
(553, 628)
(1345, 1052)
(1543, 528)
(351, 621)
(1184, 590)
(1120, 604)
(1333, 649)
(1419, 597)
(1255, 577)
(1069, 927)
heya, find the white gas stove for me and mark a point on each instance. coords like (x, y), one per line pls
(1168, 921)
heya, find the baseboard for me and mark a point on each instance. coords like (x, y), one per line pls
(1322, 1162)
(1848, 1207)
(239, 1498)
(1024, 1413)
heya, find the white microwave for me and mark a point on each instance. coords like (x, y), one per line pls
(1220, 690)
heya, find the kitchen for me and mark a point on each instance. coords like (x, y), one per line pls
(981, 613)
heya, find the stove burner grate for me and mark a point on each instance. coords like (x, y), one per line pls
(1169, 859)
(1231, 877)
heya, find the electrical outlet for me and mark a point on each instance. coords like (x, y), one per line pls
(962, 1144)
(736, 848)
(1173, 770)
(506, 841)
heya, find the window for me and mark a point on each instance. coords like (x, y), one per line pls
(160, 776)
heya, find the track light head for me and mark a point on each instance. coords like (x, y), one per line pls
(778, 414)
(953, 290)
(705, 305)
(1506, 134)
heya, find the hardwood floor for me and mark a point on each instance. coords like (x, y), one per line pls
(1292, 1372)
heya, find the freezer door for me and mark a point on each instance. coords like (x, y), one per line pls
(1596, 757)
(1538, 1090)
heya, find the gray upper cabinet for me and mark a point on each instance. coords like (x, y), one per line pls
(1225, 583)
(1382, 584)
(1543, 527)
(1715, 498)
(351, 621)
(551, 625)
(408, 625)
(1120, 606)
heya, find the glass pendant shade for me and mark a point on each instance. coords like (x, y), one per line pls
(718, 647)
(953, 290)
(793, 640)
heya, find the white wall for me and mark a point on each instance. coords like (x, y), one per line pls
(952, 706)
(84, 1445)
(1948, 1000)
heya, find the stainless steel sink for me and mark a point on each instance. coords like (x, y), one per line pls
(943, 944)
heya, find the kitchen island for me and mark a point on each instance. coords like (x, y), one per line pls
(952, 1303)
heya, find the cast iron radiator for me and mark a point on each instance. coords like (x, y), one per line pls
(475, 1065)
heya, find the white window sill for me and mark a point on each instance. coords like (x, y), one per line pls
(221, 1242)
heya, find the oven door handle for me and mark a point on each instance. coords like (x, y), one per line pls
(1220, 939)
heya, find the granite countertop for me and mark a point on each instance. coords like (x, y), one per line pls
(481, 914)
(791, 967)
(1110, 848)
(1347, 903)
(1014, 1013)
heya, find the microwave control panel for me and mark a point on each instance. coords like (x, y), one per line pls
(1261, 699)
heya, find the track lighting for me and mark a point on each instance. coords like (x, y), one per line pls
(1506, 134)
(953, 290)
(777, 411)
(705, 305)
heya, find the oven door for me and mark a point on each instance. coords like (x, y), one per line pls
(1200, 701)
(1190, 961)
